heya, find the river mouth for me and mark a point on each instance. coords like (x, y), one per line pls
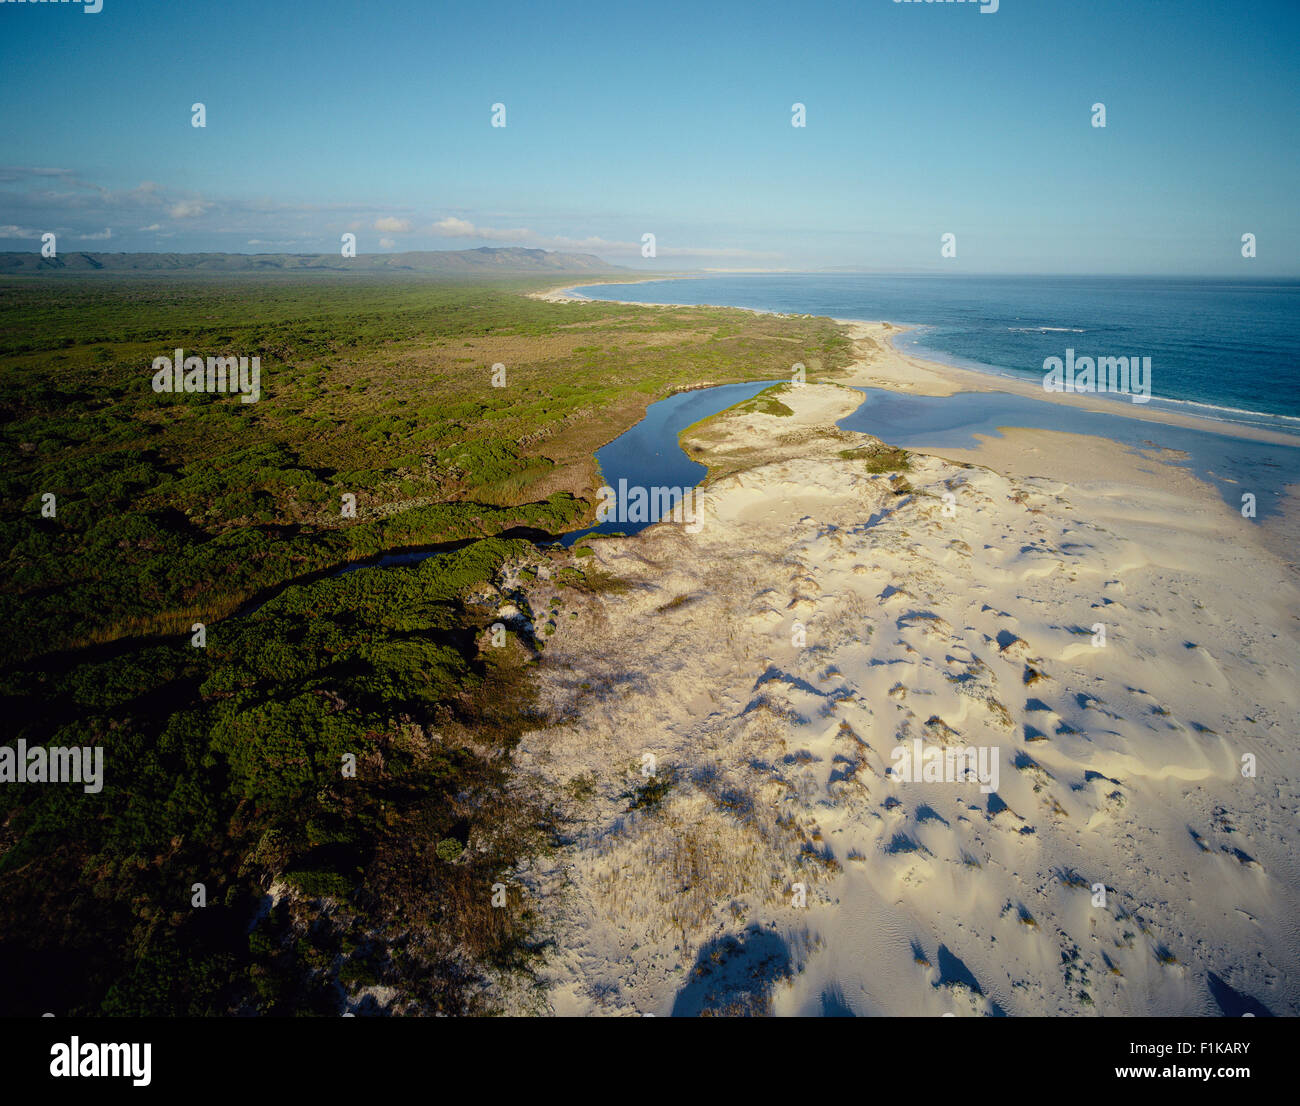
(649, 454)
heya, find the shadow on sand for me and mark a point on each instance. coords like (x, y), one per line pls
(734, 976)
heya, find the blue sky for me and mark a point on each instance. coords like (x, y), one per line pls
(674, 119)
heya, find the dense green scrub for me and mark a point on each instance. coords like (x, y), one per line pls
(224, 764)
(172, 508)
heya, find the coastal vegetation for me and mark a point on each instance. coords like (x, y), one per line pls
(308, 800)
(766, 403)
(879, 458)
(170, 509)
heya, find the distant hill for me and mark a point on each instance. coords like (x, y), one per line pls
(512, 259)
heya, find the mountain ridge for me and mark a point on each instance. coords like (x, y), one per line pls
(489, 259)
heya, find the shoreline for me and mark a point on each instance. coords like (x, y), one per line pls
(935, 378)
(830, 611)
(974, 380)
(1024, 451)
(558, 293)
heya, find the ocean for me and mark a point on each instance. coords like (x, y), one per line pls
(1220, 349)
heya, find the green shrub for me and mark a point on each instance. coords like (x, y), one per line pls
(449, 849)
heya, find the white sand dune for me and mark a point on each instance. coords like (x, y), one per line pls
(960, 621)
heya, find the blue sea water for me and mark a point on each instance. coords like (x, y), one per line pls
(1223, 349)
(1227, 351)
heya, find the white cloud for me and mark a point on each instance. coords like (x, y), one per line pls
(451, 227)
(48, 197)
(108, 233)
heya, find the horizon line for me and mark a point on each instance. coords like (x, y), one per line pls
(674, 273)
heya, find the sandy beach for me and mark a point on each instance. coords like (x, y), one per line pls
(879, 364)
(1114, 640)
(567, 293)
